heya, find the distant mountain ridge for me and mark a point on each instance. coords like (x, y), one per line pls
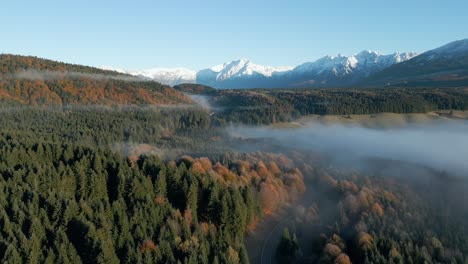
(324, 72)
(32, 80)
(240, 68)
(167, 76)
(343, 70)
(238, 74)
(443, 66)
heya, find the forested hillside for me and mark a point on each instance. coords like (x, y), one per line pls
(261, 106)
(152, 185)
(379, 217)
(34, 81)
(191, 88)
(68, 196)
(99, 167)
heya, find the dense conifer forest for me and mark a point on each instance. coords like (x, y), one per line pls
(158, 185)
(99, 167)
(262, 106)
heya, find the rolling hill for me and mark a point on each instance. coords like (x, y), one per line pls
(190, 88)
(26, 80)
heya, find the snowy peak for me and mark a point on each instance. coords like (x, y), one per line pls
(243, 67)
(401, 57)
(368, 53)
(232, 69)
(243, 73)
(167, 76)
(443, 66)
(366, 61)
(335, 64)
(239, 74)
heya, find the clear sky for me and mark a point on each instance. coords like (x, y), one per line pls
(201, 33)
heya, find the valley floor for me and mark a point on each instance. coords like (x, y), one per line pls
(381, 120)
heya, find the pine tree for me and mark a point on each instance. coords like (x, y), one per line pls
(161, 184)
(243, 256)
(192, 200)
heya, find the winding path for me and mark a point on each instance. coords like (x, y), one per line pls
(271, 240)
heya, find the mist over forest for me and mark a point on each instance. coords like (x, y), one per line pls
(440, 145)
(102, 167)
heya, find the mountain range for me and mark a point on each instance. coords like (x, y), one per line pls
(167, 76)
(36, 81)
(362, 69)
(327, 71)
(440, 67)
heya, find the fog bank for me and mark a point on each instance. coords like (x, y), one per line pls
(441, 145)
(34, 75)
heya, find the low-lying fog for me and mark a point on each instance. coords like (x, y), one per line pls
(441, 145)
(34, 75)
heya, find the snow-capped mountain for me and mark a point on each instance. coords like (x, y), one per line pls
(241, 68)
(168, 76)
(343, 70)
(236, 72)
(328, 71)
(445, 66)
(366, 61)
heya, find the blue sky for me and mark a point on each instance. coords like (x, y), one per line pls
(202, 33)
